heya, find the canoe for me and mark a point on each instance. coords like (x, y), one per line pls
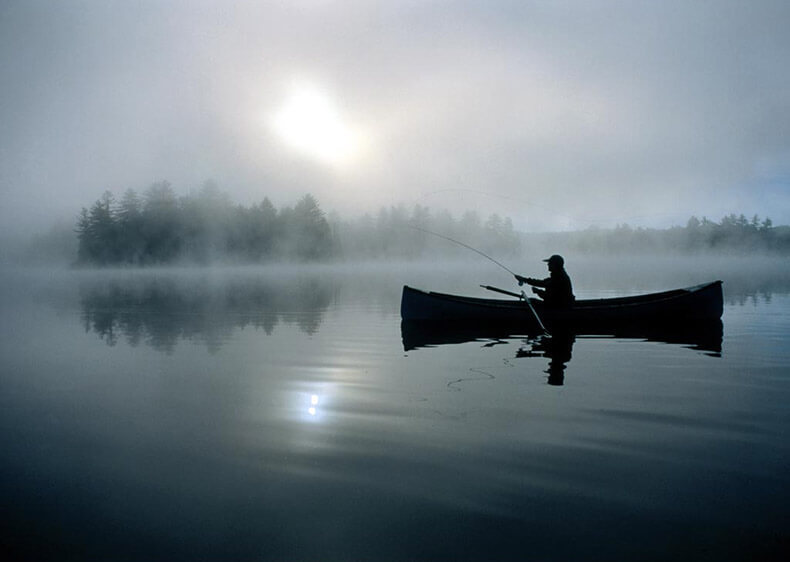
(699, 303)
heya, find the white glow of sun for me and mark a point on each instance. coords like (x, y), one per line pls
(310, 123)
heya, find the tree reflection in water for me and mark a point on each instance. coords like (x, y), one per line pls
(160, 311)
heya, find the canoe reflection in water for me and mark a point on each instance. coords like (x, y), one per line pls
(703, 336)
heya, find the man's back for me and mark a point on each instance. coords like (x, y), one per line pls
(559, 290)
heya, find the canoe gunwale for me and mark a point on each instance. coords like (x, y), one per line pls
(699, 301)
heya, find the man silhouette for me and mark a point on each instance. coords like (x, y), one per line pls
(556, 289)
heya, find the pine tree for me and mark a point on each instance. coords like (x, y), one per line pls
(102, 231)
(313, 236)
(161, 224)
(83, 237)
(131, 244)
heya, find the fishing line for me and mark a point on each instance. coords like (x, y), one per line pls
(467, 379)
(467, 246)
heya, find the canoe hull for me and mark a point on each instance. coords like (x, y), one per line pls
(699, 303)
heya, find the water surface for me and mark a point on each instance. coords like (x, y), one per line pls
(275, 414)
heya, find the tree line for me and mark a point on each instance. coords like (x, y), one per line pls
(733, 233)
(410, 233)
(160, 228)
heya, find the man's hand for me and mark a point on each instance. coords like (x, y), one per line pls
(521, 280)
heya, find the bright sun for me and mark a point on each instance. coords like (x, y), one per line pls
(310, 123)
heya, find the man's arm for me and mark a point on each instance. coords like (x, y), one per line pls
(532, 281)
(537, 282)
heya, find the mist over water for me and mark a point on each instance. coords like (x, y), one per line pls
(216, 368)
(277, 413)
(570, 112)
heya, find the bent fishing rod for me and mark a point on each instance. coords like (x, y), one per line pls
(467, 246)
(518, 277)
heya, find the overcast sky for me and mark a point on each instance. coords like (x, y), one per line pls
(557, 114)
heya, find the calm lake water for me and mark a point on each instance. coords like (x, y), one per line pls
(274, 414)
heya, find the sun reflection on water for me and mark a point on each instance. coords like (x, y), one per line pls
(310, 406)
(313, 403)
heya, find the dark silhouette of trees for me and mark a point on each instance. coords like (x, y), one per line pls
(131, 241)
(160, 228)
(734, 233)
(205, 226)
(308, 230)
(97, 231)
(161, 224)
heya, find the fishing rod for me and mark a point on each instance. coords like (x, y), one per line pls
(521, 296)
(467, 246)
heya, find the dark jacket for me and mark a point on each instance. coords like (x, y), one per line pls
(557, 291)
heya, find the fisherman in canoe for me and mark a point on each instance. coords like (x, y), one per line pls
(556, 289)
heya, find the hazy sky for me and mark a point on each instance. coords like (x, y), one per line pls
(557, 114)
